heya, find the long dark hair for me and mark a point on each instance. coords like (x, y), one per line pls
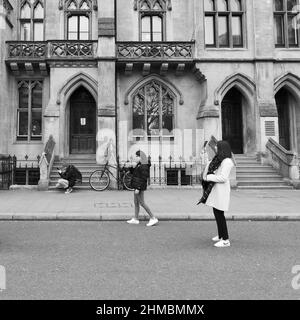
(224, 150)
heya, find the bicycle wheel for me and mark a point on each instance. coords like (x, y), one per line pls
(127, 181)
(99, 180)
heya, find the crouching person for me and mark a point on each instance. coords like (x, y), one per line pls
(69, 175)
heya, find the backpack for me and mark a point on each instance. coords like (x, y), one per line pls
(77, 174)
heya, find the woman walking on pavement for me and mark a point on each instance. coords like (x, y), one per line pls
(216, 189)
(140, 172)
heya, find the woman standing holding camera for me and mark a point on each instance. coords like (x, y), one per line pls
(216, 189)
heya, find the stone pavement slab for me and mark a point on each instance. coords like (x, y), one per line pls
(166, 204)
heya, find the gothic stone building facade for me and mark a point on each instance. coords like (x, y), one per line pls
(158, 75)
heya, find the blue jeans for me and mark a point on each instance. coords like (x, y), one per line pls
(139, 201)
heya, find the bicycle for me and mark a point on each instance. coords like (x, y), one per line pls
(100, 179)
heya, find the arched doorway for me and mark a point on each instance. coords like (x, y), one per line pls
(82, 122)
(283, 99)
(232, 120)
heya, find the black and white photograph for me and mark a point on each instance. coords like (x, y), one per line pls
(149, 153)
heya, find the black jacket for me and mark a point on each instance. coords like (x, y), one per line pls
(70, 174)
(140, 175)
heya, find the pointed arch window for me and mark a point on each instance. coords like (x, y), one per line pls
(78, 15)
(152, 16)
(32, 20)
(286, 23)
(29, 122)
(224, 23)
(153, 111)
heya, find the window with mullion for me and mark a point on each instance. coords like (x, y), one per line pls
(153, 111)
(224, 23)
(286, 23)
(151, 27)
(32, 21)
(78, 27)
(78, 19)
(29, 123)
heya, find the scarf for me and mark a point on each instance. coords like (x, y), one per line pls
(208, 185)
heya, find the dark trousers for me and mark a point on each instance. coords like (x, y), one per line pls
(221, 224)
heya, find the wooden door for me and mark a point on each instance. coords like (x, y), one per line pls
(282, 102)
(82, 123)
(232, 121)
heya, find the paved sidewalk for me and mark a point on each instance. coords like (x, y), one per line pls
(166, 204)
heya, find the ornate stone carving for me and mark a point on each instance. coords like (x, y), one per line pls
(34, 49)
(159, 50)
(152, 5)
(70, 49)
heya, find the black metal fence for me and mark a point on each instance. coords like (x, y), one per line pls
(6, 169)
(171, 172)
(15, 171)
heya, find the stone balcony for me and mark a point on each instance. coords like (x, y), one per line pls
(36, 56)
(161, 55)
(32, 55)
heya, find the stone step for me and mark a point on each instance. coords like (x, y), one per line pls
(245, 159)
(261, 180)
(81, 187)
(236, 156)
(265, 175)
(77, 164)
(259, 176)
(86, 171)
(254, 166)
(259, 183)
(251, 187)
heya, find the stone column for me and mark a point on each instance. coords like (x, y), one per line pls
(264, 49)
(106, 137)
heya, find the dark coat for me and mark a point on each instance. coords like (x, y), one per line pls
(140, 175)
(70, 174)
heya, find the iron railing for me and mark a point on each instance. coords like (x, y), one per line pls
(6, 171)
(175, 172)
(15, 171)
(26, 171)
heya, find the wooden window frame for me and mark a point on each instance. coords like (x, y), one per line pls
(78, 12)
(30, 85)
(284, 14)
(31, 20)
(151, 14)
(229, 14)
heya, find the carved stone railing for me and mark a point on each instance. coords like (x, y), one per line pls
(26, 49)
(284, 161)
(60, 49)
(155, 50)
(72, 49)
(46, 163)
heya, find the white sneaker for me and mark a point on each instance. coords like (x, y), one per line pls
(216, 239)
(69, 190)
(152, 222)
(133, 221)
(222, 244)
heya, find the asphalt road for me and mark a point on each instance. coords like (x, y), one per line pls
(174, 260)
